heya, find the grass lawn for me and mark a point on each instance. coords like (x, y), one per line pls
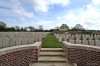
(50, 41)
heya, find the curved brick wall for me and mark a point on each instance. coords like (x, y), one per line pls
(82, 55)
(20, 55)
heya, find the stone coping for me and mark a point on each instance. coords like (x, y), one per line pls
(20, 47)
(81, 46)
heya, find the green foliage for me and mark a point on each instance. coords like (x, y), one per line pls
(50, 41)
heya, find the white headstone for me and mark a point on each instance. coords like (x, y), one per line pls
(97, 42)
(60, 38)
(91, 42)
(36, 39)
(91, 37)
(12, 42)
(0, 42)
(77, 36)
(72, 37)
(71, 41)
(85, 37)
(18, 41)
(24, 41)
(78, 41)
(31, 40)
(5, 42)
(65, 38)
(85, 42)
(40, 37)
(96, 38)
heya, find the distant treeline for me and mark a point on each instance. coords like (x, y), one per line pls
(76, 30)
(4, 28)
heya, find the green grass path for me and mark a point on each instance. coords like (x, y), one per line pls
(50, 41)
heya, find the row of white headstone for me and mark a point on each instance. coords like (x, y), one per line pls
(23, 34)
(86, 42)
(20, 38)
(62, 37)
(77, 36)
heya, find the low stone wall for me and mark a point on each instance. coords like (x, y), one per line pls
(82, 55)
(20, 55)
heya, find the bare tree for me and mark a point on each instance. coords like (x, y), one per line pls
(2, 24)
(25, 28)
(17, 28)
(79, 26)
(64, 27)
(31, 28)
(40, 27)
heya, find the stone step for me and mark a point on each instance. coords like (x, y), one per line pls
(50, 64)
(52, 54)
(52, 59)
(52, 49)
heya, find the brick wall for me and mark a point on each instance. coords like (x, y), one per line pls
(86, 56)
(21, 57)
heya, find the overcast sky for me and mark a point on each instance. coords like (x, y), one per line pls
(51, 13)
